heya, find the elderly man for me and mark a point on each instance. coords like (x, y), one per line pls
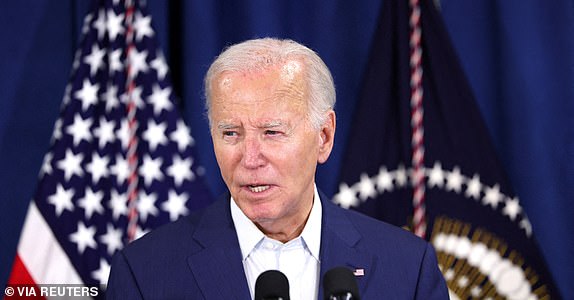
(270, 106)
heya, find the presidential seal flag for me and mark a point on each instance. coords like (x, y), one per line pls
(121, 161)
(420, 156)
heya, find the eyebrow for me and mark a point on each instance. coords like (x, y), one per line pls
(224, 126)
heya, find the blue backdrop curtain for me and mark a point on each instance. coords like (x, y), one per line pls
(517, 55)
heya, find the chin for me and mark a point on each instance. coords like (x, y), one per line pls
(261, 213)
(260, 216)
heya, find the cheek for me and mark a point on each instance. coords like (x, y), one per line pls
(308, 148)
(226, 160)
(300, 156)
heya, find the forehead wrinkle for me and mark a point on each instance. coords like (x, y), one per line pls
(272, 123)
(292, 93)
(290, 89)
(292, 78)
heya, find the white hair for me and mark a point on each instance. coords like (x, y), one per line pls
(262, 54)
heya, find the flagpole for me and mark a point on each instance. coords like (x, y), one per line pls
(417, 112)
(132, 126)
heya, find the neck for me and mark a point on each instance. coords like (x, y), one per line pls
(285, 232)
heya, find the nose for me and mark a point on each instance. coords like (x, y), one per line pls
(253, 157)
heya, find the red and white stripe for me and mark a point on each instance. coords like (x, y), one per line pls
(49, 266)
(133, 179)
(417, 113)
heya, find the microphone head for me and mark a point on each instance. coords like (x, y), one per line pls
(272, 284)
(340, 281)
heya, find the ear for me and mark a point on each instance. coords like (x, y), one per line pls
(327, 137)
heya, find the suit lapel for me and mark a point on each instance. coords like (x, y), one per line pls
(217, 264)
(339, 240)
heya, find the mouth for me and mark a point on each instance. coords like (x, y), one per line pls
(258, 188)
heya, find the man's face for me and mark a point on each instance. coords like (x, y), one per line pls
(265, 146)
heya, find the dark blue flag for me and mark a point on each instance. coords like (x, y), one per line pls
(473, 218)
(121, 161)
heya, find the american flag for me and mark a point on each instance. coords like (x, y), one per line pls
(121, 158)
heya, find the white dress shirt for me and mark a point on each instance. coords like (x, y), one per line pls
(298, 259)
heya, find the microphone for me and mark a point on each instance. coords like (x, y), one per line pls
(272, 285)
(339, 284)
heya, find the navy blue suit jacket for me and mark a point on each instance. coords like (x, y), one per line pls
(198, 257)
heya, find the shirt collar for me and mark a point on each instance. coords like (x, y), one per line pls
(249, 235)
(312, 232)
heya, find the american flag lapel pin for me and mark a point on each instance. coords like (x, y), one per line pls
(359, 272)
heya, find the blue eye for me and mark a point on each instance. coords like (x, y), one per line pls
(229, 133)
